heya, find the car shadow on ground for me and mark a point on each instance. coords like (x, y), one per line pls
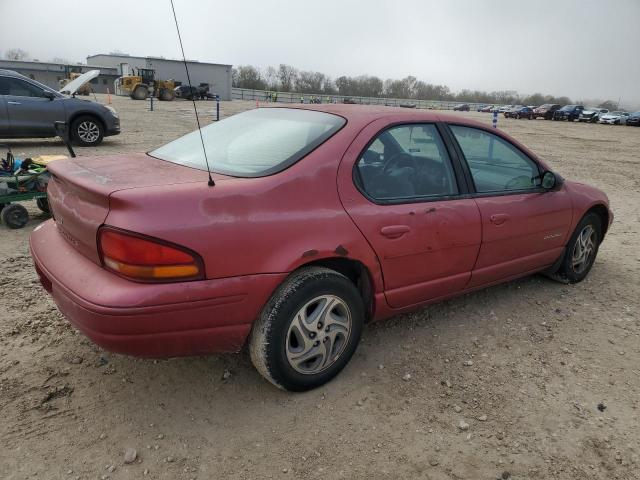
(235, 372)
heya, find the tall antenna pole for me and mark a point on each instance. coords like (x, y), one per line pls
(211, 183)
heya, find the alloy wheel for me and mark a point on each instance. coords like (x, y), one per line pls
(88, 132)
(584, 249)
(318, 334)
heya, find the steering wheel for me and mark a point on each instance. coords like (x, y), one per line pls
(519, 182)
(400, 159)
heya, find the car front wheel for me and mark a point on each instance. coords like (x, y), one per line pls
(308, 330)
(582, 249)
(87, 131)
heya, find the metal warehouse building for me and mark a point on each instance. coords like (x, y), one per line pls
(50, 74)
(217, 75)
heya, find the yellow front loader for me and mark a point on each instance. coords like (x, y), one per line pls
(144, 84)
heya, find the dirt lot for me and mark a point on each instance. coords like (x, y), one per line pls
(525, 365)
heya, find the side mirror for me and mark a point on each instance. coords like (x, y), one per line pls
(550, 180)
(48, 94)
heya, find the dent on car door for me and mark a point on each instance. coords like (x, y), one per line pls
(29, 111)
(399, 186)
(524, 227)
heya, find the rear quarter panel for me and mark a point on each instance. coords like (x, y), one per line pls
(245, 226)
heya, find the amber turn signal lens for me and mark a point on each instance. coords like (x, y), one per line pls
(147, 259)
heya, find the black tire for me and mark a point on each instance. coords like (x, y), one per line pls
(87, 131)
(166, 95)
(140, 93)
(272, 335)
(43, 204)
(14, 215)
(568, 270)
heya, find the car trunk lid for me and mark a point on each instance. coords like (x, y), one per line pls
(80, 188)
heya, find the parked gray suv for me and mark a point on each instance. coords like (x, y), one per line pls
(29, 109)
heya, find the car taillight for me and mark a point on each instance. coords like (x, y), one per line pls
(147, 259)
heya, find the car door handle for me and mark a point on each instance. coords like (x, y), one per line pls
(499, 218)
(394, 231)
(13, 103)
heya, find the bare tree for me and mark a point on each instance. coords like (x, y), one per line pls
(247, 76)
(287, 76)
(16, 54)
(271, 78)
(609, 105)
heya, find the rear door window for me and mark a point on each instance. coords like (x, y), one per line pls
(406, 163)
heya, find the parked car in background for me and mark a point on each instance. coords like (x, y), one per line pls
(479, 108)
(520, 112)
(28, 109)
(568, 112)
(505, 108)
(188, 92)
(592, 114)
(509, 113)
(634, 119)
(158, 262)
(461, 108)
(488, 108)
(615, 118)
(546, 111)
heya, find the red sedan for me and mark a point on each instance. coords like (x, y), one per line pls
(322, 218)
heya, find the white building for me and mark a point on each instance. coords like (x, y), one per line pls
(217, 75)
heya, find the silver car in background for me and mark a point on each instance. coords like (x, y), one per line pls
(28, 109)
(592, 114)
(615, 118)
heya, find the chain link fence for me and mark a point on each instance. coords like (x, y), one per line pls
(292, 97)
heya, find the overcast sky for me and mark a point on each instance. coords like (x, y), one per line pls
(579, 48)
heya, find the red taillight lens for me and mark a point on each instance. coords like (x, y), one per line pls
(147, 259)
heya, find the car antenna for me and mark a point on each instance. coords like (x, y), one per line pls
(211, 183)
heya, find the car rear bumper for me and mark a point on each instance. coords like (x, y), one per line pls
(148, 320)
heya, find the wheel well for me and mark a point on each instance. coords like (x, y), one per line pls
(603, 213)
(357, 273)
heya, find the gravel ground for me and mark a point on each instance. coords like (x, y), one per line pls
(527, 380)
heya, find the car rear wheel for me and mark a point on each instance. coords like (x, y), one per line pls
(582, 249)
(87, 131)
(308, 330)
(43, 205)
(14, 216)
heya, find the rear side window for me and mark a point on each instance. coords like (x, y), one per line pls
(407, 162)
(256, 143)
(495, 164)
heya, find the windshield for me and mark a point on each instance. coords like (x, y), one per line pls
(255, 143)
(567, 108)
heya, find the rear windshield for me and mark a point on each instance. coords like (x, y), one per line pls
(255, 143)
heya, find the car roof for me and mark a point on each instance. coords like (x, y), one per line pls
(11, 73)
(364, 114)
